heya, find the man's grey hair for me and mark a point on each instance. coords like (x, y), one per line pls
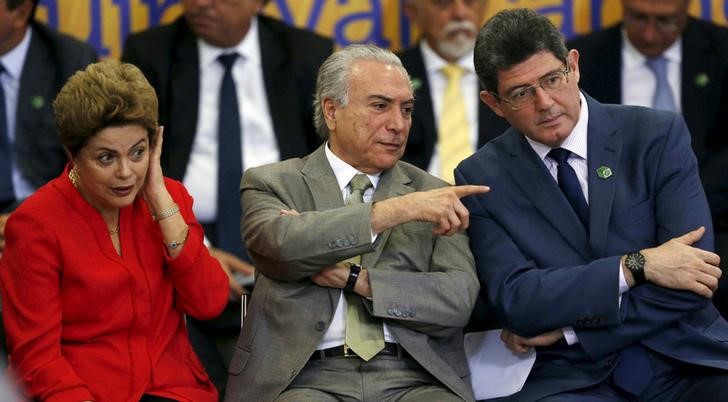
(511, 37)
(333, 77)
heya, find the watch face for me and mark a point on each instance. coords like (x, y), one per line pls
(635, 261)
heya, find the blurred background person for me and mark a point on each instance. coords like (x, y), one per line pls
(35, 62)
(659, 56)
(103, 262)
(236, 90)
(449, 122)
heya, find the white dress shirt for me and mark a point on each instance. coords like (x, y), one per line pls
(576, 142)
(438, 82)
(13, 62)
(336, 334)
(638, 81)
(259, 144)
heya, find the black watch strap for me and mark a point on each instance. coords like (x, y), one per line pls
(354, 270)
(635, 263)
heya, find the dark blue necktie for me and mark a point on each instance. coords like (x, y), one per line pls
(7, 194)
(569, 184)
(230, 163)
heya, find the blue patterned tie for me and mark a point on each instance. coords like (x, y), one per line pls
(230, 163)
(662, 98)
(7, 194)
(569, 184)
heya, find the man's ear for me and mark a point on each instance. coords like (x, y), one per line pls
(329, 108)
(493, 103)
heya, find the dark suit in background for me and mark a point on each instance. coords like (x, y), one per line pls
(703, 77)
(52, 57)
(168, 56)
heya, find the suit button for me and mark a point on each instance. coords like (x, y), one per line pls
(332, 244)
(412, 314)
(347, 243)
(339, 242)
(390, 311)
(320, 326)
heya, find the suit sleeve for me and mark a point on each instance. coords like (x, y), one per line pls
(427, 295)
(30, 280)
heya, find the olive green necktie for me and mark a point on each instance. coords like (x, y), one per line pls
(453, 133)
(364, 333)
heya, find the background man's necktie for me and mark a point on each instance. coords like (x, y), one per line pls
(662, 99)
(569, 184)
(453, 134)
(364, 333)
(7, 194)
(230, 163)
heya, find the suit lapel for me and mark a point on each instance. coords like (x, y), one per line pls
(537, 185)
(184, 88)
(393, 183)
(279, 79)
(700, 70)
(604, 152)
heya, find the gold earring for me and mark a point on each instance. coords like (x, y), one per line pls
(74, 177)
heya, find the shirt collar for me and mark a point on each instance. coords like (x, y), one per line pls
(576, 142)
(248, 48)
(631, 57)
(434, 63)
(345, 172)
(14, 59)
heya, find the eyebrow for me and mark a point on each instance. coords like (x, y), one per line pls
(552, 72)
(388, 99)
(113, 150)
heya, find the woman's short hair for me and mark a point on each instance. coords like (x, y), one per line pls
(105, 94)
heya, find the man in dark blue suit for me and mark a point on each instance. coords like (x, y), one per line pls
(592, 244)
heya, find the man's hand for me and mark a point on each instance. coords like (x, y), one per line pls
(518, 344)
(336, 276)
(3, 219)
(231, 264)
(440, 206)
(676, 264)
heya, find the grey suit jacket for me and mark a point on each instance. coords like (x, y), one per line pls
(423, 286)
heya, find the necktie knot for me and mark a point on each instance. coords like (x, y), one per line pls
(452, 72)
(227, 60)
(560, 155)
(359, 184)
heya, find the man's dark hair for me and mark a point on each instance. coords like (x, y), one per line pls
(510, 37)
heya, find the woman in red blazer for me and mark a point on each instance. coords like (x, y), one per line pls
(102, 263)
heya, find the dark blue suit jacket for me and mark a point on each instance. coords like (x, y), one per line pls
(540, 270)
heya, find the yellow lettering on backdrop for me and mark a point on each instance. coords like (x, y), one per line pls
(105, 23)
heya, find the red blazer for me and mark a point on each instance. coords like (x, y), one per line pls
(84, 323)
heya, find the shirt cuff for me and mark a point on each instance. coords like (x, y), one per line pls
(570, 335)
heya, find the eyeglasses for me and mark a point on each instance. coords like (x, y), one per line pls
(664, 24)
(523, 96)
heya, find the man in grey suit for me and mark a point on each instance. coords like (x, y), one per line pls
(415, 282)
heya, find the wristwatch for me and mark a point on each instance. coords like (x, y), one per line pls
(635, 263)
(354, 270)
